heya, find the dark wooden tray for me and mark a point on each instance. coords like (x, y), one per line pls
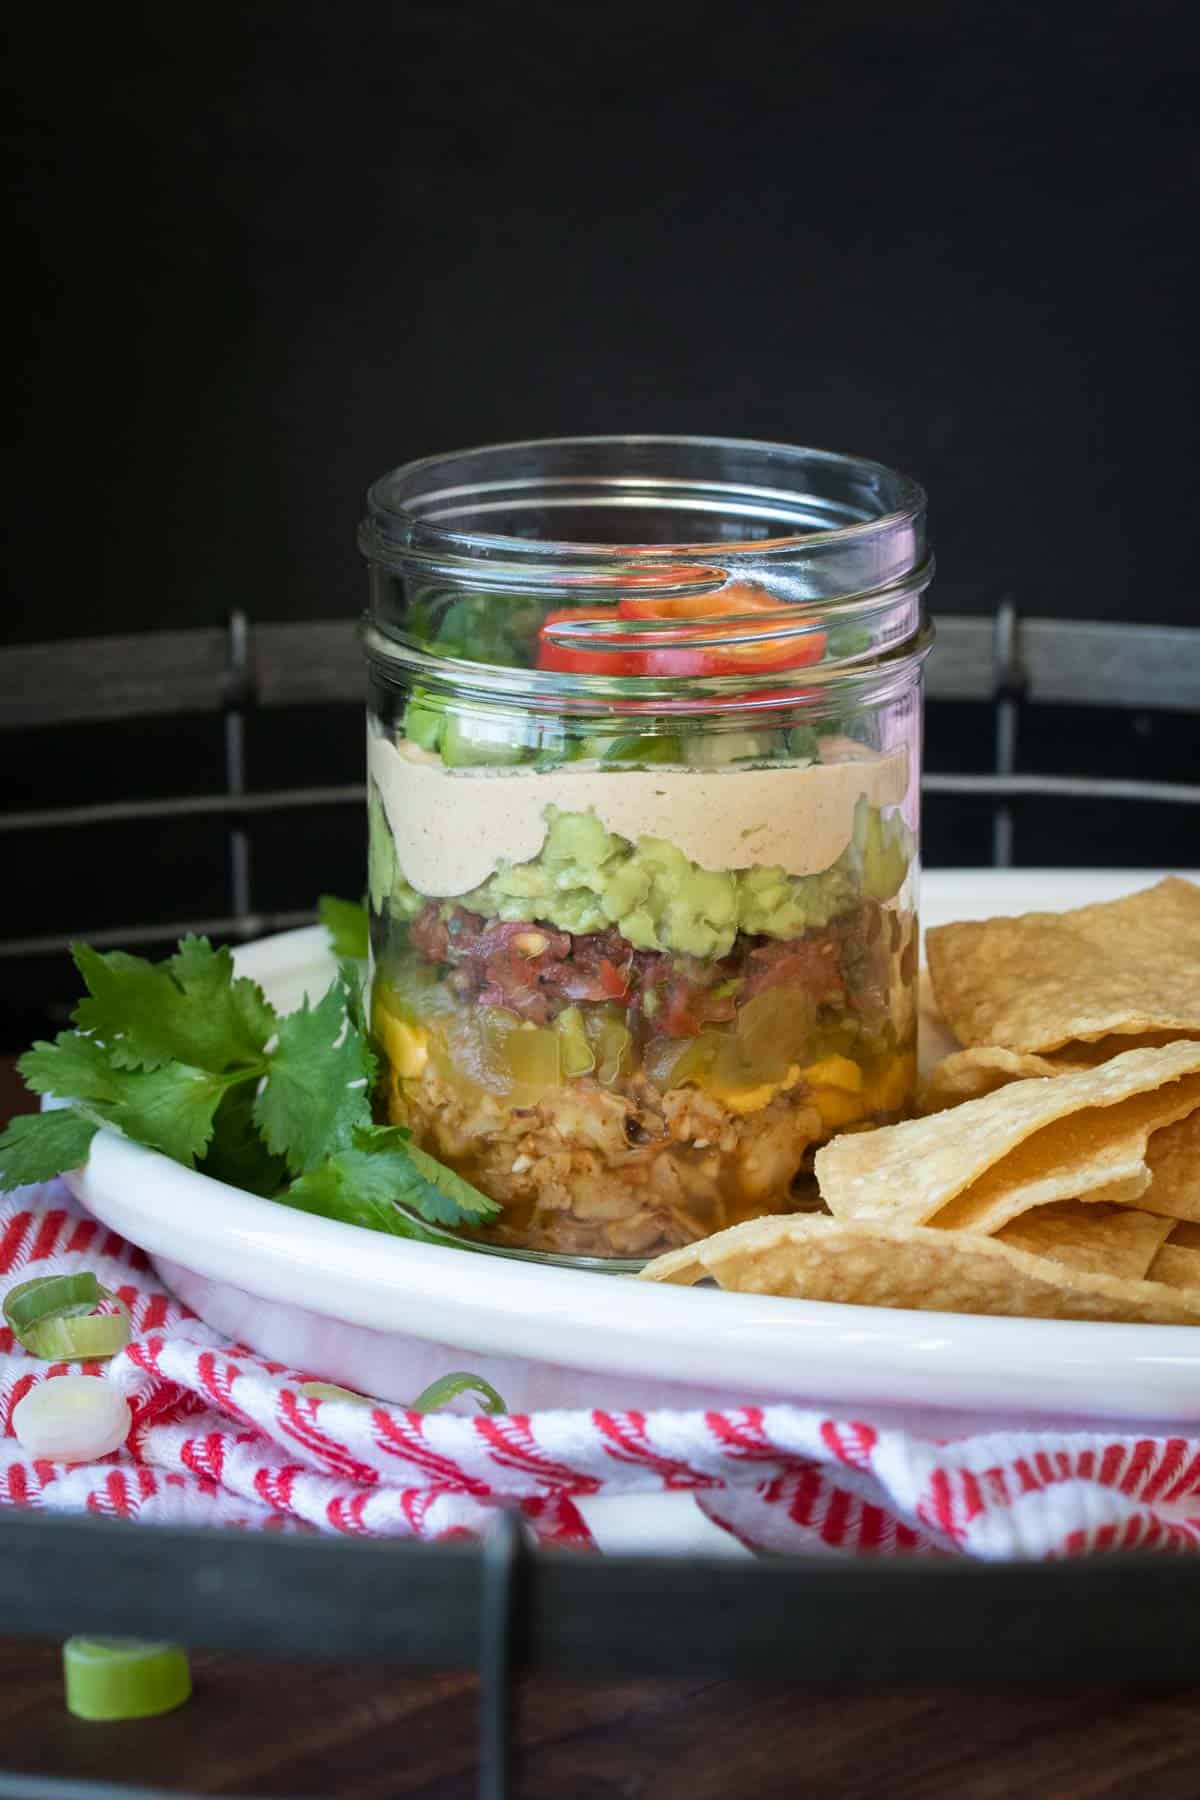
(823, 1625)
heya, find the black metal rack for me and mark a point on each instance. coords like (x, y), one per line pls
(226, 671)
(503, 1606)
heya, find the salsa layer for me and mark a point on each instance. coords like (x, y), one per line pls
(536, 972)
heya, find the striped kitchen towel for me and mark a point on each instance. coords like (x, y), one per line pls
(221, 1436)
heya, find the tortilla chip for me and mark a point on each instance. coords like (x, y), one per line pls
(868, 1264)
(969, 1074)
(1046, 979)
(1098, 1153)
(683, 1268)
(1080, 1055)
(1184, 1236)
(1177, 1266)
(909, 1172)
(1173, 1158)
(1108, 1240)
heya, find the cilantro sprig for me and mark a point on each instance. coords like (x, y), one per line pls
(347, 924)
(190, 1058)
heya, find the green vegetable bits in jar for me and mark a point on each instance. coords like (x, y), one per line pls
(644, 759)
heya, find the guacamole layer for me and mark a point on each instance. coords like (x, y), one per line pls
(586, 878)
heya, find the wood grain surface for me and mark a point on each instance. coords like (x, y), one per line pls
(350, 1733)
(303, 1729)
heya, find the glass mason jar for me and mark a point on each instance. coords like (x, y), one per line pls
(644, 760)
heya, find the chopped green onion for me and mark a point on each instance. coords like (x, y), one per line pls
(71, 1419)
(68, 1338)
(30, 1301)
(802, 741)
(446, 1388)
(54, 1318)
(124, 1678)
(578, 1057)
(645, 747)
(329, 1390)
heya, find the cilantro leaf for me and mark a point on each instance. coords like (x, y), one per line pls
(381, 1173)
(440, 1195)
(237, 1153)
(353, 988)
(487, 628)
(190, 1009)
(420, 1181)
(74, 1067)
(207, 978)
(357, 1188)
(171, 1108)
(346, 923)
(318, 1084)
(37, 1146)
(175, 1056)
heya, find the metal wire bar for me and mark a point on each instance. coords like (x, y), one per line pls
(1064, 787)
(185, 806)
(86, 680)
(1008, 685)
(235, 763)
(199, 806)
(500, 1606)
(854, 1624)
(319, 662)
(117, 936)
(982, 787)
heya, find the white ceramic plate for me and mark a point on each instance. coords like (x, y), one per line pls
(384, 1315)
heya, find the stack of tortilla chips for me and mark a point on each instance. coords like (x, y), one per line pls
(1056, 1173)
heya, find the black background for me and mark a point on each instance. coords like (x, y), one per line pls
(259, 254)
(264, 253)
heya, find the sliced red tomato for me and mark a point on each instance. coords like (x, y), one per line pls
(682, 652)
(739, 597)
(616, 654)
(614, 983)
(567, 659)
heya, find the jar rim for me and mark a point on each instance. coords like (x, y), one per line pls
(409, 507)
(838, 540)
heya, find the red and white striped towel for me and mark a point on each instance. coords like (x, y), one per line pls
(222, 1437)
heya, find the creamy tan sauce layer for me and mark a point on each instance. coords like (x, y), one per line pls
(454, 826)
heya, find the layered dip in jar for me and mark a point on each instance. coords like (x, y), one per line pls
(644, 759)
